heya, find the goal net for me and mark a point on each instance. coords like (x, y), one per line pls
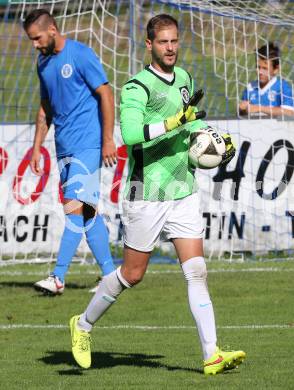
(247, 206)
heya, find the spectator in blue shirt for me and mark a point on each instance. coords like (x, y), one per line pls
(76, 97)
(269, 94)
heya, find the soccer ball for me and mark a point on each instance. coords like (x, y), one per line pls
(206, 149)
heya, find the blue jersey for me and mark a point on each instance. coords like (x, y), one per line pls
(276, 93)
(68, 80)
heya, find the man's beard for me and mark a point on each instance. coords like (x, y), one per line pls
(49, 50)
(166, 68)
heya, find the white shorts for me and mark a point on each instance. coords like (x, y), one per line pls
(144, 222)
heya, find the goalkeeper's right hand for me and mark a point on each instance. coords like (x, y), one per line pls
(186, 114)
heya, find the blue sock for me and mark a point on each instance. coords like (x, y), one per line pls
(70, 240)
(97, 238)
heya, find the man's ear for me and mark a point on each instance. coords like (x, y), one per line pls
(148, 43)
(52, 30)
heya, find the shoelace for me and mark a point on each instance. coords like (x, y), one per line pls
(85, 340)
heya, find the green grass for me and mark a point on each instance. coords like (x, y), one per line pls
(167, 357)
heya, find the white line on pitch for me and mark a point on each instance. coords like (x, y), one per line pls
(146, 327)
(224, 270)
(166, 271)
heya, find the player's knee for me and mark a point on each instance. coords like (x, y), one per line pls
(195, 269)
(114, 283)
(133, 276)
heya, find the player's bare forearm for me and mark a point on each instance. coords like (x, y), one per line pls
(246, 108)
(107, 111)
(109, 154)
(276, 111)
(43, 122)
(288, 112)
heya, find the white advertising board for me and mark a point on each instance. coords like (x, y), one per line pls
(247, 206)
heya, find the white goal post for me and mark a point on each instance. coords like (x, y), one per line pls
(247, 207)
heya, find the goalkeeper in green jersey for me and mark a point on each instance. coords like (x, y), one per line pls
(158, 115)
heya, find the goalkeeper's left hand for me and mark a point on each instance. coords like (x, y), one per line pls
(187, 114)
(230, 149)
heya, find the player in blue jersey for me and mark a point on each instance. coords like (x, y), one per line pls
(77, 99)
(269, 94)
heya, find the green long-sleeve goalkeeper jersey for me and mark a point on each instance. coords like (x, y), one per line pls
(158, 168)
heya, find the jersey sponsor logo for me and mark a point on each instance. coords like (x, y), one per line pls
(161, 95)
(66, 71)
(185, 94)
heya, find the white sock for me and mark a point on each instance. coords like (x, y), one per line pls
(201, 307)
(109, 289)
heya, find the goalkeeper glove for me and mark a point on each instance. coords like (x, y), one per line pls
(230, 149)
(186, 114)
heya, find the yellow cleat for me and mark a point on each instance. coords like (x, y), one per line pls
(222, 361)
(80, 343)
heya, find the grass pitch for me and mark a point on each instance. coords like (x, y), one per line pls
(148, 340)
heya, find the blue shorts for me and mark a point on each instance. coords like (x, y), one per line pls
(80, 175)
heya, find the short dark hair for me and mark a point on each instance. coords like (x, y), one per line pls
(158, 22)
(33, 17)
(270, 52)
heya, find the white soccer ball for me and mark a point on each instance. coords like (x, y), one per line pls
(206, 149)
